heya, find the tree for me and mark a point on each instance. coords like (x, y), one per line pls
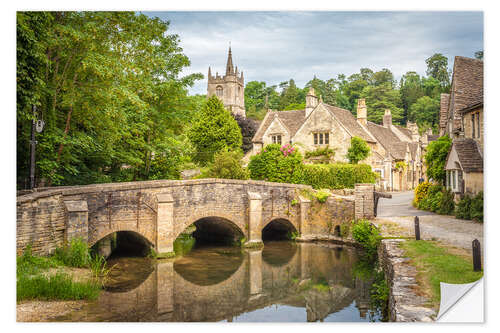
(437, 67)
(214, 129)
(410, 89)
(358, 150)
(110, 94)
(479, 55)
(248, 128)
(227, 165)
(382, 97)
(425, 112)
(435, 158)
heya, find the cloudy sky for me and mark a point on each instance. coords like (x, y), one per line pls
(276, 46)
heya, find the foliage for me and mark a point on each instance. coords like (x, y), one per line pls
(470, 208)
(438, 200)
(379, 293)
(294, 202)
(358, 150)
(292, 235)
(436, 264)
(227, 165)
(425, 111)
(333, 176)
(184, 244)
(435, 158)
(421, 191)
(327, 152)
(74, 254)
(107, 85)
(345, 229)
(214, 129)
(367, 235)
(437, 67)
(380, 98)
(275, 164)
(479, 55)
(322, 195)
(248, 128)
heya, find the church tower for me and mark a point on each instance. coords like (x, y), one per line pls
(230, 88)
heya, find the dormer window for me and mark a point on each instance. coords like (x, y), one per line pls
(321, 138)
(276, 139)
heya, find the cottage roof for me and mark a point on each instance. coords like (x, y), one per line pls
(349, 122)
(291, 119)
(389, 140)
(469, 155)
(466, 87)
(443, 113)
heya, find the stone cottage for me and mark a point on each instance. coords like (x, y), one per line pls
(461, 118)
(396, 152)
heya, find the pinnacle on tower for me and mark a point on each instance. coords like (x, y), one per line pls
(229, 66)
(209, 73)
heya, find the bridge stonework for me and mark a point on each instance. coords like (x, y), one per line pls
(160, 210)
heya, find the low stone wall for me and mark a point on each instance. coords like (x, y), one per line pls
(404, 304)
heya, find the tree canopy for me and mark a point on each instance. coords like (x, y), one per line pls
(435, 158)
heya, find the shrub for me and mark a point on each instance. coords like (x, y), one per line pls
(227, 165)
(476, 207)
(327, 152)
(447, 204)
(421, 191)
(74, 254)
(275, 163)
(435, 158)
(462, 210)
(322, 195)
(367, 235)
(334, 176)
(358, 150)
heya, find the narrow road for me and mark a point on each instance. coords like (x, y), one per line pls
(396, 218)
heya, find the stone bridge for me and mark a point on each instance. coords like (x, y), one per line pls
(160, 210)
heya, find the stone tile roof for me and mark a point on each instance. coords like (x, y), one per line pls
(469, 155)
(443, 113)
(405, 131)
(466, 87)
(348, 120)
(413, 149)
(388, 140)
(292, 119)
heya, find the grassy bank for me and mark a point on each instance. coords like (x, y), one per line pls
(46, 278)
(436, 264)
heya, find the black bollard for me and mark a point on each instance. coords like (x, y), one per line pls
(417, 228)
(476, 255)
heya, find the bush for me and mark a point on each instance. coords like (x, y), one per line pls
(275, 163)
(435, 158)
(462, 210)
(227, 165)
(367, 235)
(476, 207)
(334, 176)
(447, 204)
(421, 191)
(327, 152)
(358, 150)
(322, 195)
(437, 199)
(74, 254)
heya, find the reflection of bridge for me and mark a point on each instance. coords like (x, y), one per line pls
(166, 295)
(160, 210)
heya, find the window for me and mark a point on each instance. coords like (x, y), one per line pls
(322, 138)
(473, 125)
(478, 126)
(218, 91)
(454, 179)
(276, 139)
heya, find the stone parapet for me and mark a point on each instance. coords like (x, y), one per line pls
(404, 304)
(364, 201)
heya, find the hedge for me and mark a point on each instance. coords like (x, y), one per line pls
(334, 176)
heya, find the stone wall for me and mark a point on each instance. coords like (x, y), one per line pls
(404, 304)
(363, 194)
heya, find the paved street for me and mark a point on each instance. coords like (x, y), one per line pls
(396, 217)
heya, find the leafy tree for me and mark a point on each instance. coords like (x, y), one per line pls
(358, 150)
(227, 165)
(248, 128)
(425, 112)
(213, 130)
(382, 77)
(382, 97)
(437, 67)
(259, 98)
(410, 89)
(479, 55)
(435, 158)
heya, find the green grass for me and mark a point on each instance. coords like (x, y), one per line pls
(55, 287)
(436, 264)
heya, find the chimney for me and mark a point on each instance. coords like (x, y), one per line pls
(311, 101)
(361, 111)
(413, 127)
(387, 122)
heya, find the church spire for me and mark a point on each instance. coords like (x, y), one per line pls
(229, 66)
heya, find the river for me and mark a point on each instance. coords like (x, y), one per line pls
(283, 282)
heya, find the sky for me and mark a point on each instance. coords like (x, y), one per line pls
(276, 46)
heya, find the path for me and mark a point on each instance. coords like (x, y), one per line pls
(396, 217)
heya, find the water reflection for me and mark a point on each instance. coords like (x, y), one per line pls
(285, 281)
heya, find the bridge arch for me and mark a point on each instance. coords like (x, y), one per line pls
(277, 228)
